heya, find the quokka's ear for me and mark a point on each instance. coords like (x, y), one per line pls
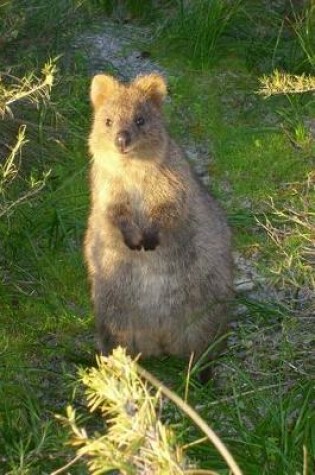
(154, 87)
(101, 87)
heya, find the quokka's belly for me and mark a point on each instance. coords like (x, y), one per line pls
(155, 288)
(161, 313)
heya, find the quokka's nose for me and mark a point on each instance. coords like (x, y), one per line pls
(123, 140)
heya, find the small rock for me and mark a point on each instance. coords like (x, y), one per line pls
(243, 285)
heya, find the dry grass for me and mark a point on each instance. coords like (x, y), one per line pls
(291, 228)
(136, 441)
(283, 83)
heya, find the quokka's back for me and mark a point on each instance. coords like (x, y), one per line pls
(157, 244)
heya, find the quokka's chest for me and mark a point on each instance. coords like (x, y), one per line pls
(143, 190)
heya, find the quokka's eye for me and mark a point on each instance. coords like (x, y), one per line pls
(140, 121)
(109, 122)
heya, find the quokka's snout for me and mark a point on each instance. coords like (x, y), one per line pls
(123, 141)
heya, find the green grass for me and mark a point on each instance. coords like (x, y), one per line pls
(260, 403)
(197, 27)
(270, 425)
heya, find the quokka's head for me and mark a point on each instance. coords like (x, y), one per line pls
(128, 117)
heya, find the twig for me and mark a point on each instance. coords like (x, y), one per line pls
(199, 471)
(194, 416)
(21, 199)
(65, 467)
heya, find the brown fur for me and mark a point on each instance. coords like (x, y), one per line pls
(157, 245)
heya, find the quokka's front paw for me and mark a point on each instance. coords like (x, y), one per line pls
(151, 239)
(136, 239)
(133, 239)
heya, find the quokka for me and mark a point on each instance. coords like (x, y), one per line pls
(157, 244)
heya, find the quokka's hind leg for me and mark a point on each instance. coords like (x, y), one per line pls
(205, 374)
(112, 329)
(105, 340)
(206, 360)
